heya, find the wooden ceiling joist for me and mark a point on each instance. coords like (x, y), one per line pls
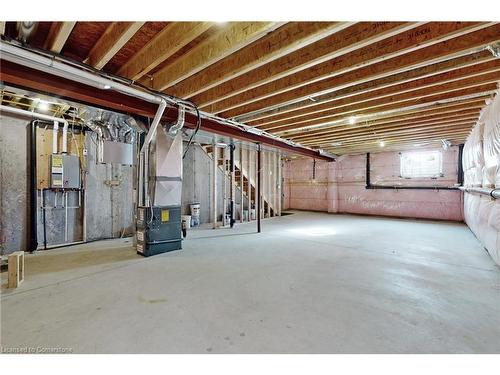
(342, 42)
(408, 91)
(114, 38)
(373, 146)
(442, 109)
(471, 93)
(437, 52)
(288, 38)
(321, 102)
(461, 131)
(409, 129)
(221, 44)
(58, 35)
(370, 126)
(446, 91)
(162, 46)
(389, 48)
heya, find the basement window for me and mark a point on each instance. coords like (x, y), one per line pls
(421, 164)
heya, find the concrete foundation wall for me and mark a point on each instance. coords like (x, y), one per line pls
(340, 186)
(109, 209)
(14, 204)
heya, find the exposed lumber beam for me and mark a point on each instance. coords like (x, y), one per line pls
(490, 72)
(2, 27)
(167, 42)
(443, 50)
(404, 144)
(446, 91)
(409, 129)
(221, 44)
(363, 128)
(35, 80)
(288, 38)
(405, 114)
(322, 102)
(393, 47)
(58, 35)
(462, 130)
(414, 117)
(345, 41)
(114, 38)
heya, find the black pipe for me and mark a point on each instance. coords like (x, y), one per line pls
(33, 241)
(44, 221)
(460, 176)
(367, 174)
(258, 187)
(231, 200)
(369, 185)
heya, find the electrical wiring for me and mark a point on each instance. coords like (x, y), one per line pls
(198, 125)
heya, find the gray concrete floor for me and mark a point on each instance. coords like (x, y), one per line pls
(310, 283)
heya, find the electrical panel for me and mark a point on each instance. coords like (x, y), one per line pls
(64, 171)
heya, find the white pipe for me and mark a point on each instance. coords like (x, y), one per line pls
(55, 131)
(41, 116)
(65, 138)
(52, 65)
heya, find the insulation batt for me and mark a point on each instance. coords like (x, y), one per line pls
(481, 163)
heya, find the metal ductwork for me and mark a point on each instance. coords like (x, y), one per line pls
(25, 30)
(174, 129)
(494, 49)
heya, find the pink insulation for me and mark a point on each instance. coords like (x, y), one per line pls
(306, 192)
(481, 163)
(340, 187)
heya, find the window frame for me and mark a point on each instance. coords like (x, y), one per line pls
(430, 176)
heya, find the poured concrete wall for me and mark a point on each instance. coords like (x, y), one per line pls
(109, 209)
(14, 205)
(340, 186)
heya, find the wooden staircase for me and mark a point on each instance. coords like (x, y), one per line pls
(238, 172)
